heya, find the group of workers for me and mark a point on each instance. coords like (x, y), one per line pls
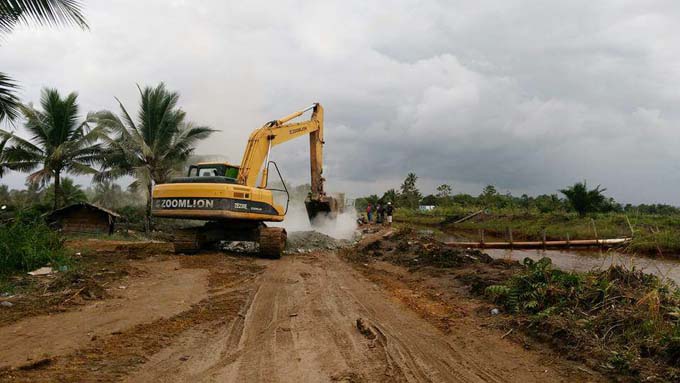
(382, 213)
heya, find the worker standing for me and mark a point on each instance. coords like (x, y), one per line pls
(389, 210)
(380, 213)
(369, 212)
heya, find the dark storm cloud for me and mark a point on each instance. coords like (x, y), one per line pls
(527, 95)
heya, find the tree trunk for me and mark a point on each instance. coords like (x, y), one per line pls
(147, 221)
(57, 190)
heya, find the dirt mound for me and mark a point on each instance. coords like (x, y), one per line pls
(306, 241)
(406, 248)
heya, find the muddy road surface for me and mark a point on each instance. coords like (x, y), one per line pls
(308, 317)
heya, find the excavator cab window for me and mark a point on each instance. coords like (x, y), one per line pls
(213, 171)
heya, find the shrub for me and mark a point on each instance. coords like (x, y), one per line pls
(624, 318)
(28, 243)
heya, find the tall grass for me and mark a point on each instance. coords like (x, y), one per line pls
(28, 243)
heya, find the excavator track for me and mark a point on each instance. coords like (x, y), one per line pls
(187, 240)
(272, 241)
(191, 240)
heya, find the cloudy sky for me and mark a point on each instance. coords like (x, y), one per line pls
(527, 95)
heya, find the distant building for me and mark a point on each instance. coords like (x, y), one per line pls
(83, 218)
(426, 207)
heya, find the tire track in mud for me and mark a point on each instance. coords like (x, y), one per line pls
(416, 360)
(301, 327)
(297, 321)
(111, 358)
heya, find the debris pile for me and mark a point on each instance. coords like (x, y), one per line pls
(407, 248)
(53, 288)
(308, 241)
(77, 286)
(239, 246)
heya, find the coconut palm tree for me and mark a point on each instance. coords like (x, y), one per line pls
(59, 143)
(42, 12)
(152, 146)
(108, 194)
(70, 193)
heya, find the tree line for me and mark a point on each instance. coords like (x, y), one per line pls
(148, 147)
(577, 198)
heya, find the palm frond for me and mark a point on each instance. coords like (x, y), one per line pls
(112, 174)
(43, 12)
(36, 124)
(126, 116)
(78, 168)
(4, 136)
(9, 102)
(26, 145)
(41, 177)
(19, 153)
(61, 115)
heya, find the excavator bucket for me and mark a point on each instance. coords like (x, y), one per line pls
(322, 207)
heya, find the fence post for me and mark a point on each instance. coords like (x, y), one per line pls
(597, 237)
(481, 235)
(632, 232)
(568, 245)
(543, 239)
(510, 237)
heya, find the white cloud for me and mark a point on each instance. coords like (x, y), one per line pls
(526, 95)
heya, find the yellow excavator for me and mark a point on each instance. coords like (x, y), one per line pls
(233, 202)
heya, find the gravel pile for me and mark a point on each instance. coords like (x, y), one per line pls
(307, 241)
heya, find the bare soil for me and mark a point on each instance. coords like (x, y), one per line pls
(311, 317)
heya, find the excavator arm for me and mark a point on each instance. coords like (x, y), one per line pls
(261, 142)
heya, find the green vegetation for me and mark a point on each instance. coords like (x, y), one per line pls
(59, 144)
(70, 193)
(27, 243)
(585, 201)
(624, 317)
(153, 146)
(655, 234)
(409, 195)
(584, 214)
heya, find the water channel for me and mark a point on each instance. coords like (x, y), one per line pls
(577, 260)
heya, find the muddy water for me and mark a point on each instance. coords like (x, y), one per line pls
(588, 260)
(578, 260)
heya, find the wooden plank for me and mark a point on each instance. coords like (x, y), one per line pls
(473, 215)
(540, 244)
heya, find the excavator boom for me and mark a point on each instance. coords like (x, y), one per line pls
(256, 156)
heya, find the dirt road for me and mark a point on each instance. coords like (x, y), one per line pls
(294, 320)
(300, 326)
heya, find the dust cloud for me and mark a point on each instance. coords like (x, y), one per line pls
(343, 227)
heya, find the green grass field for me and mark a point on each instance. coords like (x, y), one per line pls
(652, 234)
